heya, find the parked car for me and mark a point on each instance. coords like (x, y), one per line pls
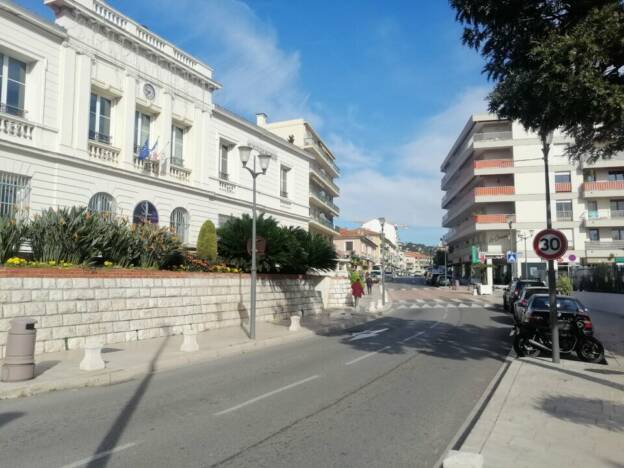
(510, 294)
(520, 305)
(442, 280)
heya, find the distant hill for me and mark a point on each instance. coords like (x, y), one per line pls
(415, 247)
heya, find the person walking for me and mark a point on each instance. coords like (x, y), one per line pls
(357, 291)
(369, 284)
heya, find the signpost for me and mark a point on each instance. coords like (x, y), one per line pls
(551, 244)
(512, 257)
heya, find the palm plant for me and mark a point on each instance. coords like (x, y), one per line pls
(11, 237)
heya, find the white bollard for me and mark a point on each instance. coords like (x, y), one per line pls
(189, 343)
(295, 323)
(92, 359)
(372, 307)
(379, 304)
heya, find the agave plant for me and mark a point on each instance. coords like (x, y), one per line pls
(11, 237)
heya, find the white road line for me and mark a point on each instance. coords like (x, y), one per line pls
(445, 315)
(97, 456)
(434, 325)
(366, 356)
(266, 395)
(405, 340)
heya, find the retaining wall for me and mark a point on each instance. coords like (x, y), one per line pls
(121, 307)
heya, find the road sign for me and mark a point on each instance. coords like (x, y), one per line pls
(550, 244)
(572, 258)
(512, 257)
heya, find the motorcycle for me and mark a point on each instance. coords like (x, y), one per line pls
(575, 335)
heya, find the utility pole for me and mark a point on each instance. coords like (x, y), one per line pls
(552, 286)
(382, 221)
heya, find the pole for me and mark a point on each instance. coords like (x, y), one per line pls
(552, 292)
(252, 316)
(526, 258)
(383, 268)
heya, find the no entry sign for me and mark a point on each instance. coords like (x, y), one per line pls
(550, 244)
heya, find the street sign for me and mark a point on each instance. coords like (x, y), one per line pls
(572, 258)
(619, 259)
(512, 257)
(550, 244)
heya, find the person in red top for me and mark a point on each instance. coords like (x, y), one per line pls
(357, 291)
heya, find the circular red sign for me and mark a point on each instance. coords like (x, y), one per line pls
(550, 244)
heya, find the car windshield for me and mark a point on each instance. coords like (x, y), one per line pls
(530, 292)
(563, 303)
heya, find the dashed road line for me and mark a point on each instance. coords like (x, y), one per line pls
(366, 356)
(97, 456)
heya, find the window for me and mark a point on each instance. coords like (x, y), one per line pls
(592, 209)
(594, 234)
(145, 213)
(99, 119)
(617, 208)
(142, 124)
(589, 176)
(223, 162)
(180, 221)
(617, 233)
(177, 146)
(14, 195)
(616, 175)
(564, 210)
(349, 246)
(12, 85)
(284, 181)
(562, 177)
(103, 203)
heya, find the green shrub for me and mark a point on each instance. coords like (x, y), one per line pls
(155, 247)
(564, 285)
(207, 242)
(11, 237)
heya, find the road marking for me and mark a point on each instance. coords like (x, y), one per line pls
(266, 395)
(434, 325)
(411, 337)
(97, 456)
(366, 334)
(445, 315)
(366, 356)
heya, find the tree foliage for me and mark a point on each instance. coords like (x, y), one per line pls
(556, 64)
(207, 242)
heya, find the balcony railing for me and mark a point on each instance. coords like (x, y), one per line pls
(617, 214)
(224, 176)
(178, 171)
(490, 136)
(604, 245)
(321, 174)
(494, 191)
(103, 152)
(603, 185)
(324, 221)
(16, 127)
(323, 150)
(563, 187)
(494, 218)
(564, 216)
(325, 199)
(493, 163)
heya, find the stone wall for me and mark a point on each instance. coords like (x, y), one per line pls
(119, 309)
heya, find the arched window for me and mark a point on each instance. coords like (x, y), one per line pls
(103, 203)
(145, 213)
(180, 221)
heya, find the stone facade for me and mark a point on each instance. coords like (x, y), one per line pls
(121, 309)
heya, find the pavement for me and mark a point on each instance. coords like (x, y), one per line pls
(539, 414)
(391, 391)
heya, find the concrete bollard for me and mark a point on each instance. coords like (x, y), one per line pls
(189, 343)
(295, 323)
(92, 359)
(379, 304)
(372, 307)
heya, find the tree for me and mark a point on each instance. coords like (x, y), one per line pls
(439, 257)
(207, 242)
(556, 64)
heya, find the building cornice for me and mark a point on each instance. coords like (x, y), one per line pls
(34, 19)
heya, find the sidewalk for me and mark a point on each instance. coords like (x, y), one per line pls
(126, 361)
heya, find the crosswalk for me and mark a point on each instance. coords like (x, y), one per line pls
(442, 304)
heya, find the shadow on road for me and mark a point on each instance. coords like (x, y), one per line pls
(584, 411)
(115, 432)
(6, 418)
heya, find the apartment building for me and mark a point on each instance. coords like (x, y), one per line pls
(97, 110)
(416, 262)
(495, 199)
(323, 171)
(391, 250)
(360, 245)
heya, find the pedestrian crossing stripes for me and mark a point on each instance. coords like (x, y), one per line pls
(442, 304)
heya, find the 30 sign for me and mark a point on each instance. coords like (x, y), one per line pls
(550, 244)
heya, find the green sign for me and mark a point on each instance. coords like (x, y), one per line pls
(474, 253)
(619, 259)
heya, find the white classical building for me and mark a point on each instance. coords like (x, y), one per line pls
(97, 110)
(495, 199)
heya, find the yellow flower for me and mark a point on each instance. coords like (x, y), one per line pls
(108, 263)
(51, 263)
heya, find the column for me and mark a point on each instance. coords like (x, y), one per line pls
(162, 130)
(65, 119)
(126, 124)
(82, 102)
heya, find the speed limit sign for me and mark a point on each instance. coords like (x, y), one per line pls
(550, 244)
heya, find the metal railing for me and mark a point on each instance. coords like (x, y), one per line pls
(492, 136)
(324, 221)
(604, 245)
(564, 215)
(323, 150)
(325, 199)
(324, 177)
(617, 214)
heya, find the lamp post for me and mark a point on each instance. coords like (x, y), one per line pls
(511, 266)
(444, 246)
(552, 292)
(524, 237)
(382, 221)
(245, 155)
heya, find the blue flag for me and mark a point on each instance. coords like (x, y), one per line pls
(144, 152)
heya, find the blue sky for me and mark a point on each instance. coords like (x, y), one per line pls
(387, 84)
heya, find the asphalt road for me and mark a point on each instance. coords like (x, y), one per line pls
(392, 392)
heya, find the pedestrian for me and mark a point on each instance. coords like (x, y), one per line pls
(369, 284)
(357, 291)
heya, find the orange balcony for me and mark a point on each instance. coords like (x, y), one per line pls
(494, 191)
(494, 218)
(563, 187)
(604, 185)
(493, 163)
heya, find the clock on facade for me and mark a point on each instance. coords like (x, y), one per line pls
(149, 92)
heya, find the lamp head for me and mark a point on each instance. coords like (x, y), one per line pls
(265, 159)
(245, 154)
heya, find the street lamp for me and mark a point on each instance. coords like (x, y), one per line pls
(444, 247)
(524, 237)
(382, 222)
(264, 159)
(552, 291)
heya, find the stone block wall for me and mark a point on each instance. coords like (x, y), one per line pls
(339, 292)
(118, 309)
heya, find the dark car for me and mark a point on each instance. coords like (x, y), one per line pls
(442, 280)
(511, 294)
(537, 312)
(520, 305)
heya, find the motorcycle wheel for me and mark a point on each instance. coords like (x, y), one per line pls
(522, 347)
(590, 350)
